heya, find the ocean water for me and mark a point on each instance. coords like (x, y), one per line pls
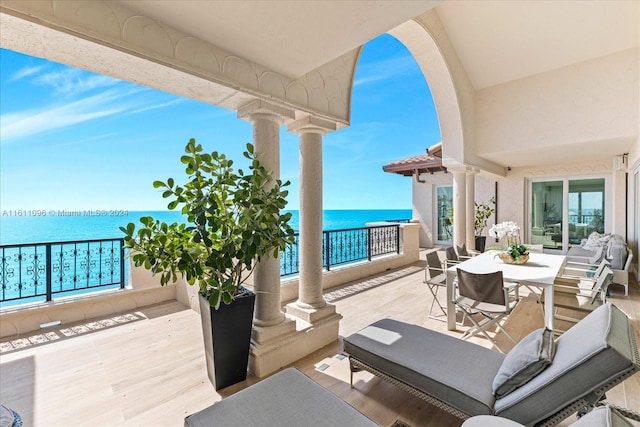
(22, 227)
(55, 226)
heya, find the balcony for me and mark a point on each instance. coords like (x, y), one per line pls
(146, 367)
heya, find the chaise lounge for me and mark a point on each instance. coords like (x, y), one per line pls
(596, 354)
(466, 379)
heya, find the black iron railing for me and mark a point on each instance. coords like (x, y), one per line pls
(35, 272)
(38, 271)
(346, 246)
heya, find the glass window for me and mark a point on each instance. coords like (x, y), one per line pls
(445, 213)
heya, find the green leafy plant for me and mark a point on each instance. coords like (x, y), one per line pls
(233, 219)
(482, 212)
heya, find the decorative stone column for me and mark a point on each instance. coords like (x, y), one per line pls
(279, 339)
(471, 217)
(311, 304)
(266, 120)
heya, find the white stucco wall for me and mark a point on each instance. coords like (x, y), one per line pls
(424, 205)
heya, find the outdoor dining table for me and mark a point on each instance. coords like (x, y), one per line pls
(541, 271)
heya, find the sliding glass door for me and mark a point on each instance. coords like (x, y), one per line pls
(546, 213)
(565, 211)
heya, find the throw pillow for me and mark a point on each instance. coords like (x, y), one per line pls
(526, 360)
(596, 240)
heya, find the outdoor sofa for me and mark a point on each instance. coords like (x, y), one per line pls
(566, 375)
(611, 247)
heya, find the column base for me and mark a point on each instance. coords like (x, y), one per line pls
(281, 347)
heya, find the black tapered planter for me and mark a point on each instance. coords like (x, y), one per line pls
(227, 337)
(480, 243)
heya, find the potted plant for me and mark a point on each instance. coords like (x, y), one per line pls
(515, 252)
(232, 220)
(482, 213)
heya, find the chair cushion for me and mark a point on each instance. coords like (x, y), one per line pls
(526, 360)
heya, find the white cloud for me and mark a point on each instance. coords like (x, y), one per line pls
(27, 123)
(156, 106)
(25, 72)
(387, 69)
(71, 81)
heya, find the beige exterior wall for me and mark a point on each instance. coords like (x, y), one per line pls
(424, 205)
(595, 100)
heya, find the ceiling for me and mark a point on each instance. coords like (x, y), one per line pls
(500, 41)
(496, 40)
(290, 37)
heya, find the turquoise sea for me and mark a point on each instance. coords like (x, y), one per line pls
(36, 226)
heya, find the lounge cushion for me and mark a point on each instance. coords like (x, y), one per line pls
(603, 416)
(592, 352)
(526, 360)
(455, 371)
(286, 399)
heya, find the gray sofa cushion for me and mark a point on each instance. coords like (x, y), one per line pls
(589, 355)
(287, 399)
(617, 253)
(579, 254)
(526, 360)
(455, 371)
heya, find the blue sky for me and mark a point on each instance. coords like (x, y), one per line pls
(71, 139)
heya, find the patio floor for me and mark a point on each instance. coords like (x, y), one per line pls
(146, 367)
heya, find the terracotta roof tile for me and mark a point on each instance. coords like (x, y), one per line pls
(429, 162)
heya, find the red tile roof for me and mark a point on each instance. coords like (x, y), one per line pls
(429, 162)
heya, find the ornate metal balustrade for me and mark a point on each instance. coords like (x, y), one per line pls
(346, 246)
(38, 271)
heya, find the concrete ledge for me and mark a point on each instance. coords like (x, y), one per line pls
(19, 320)
(360, 270)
